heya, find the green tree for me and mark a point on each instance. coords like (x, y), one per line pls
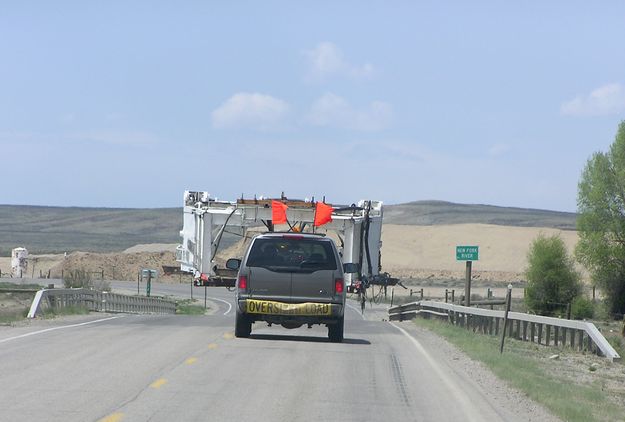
(601, 221)
(552, 279)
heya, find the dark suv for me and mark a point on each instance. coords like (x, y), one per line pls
(290, 279)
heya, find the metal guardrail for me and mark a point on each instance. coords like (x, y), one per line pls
(99, 302)
(535, 328)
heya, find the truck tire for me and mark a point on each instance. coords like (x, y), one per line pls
(242, 326)
(335, 331)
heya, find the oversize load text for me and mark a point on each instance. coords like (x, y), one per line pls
(279, 308)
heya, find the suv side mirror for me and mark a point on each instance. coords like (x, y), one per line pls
(351, 268)
(233, 264)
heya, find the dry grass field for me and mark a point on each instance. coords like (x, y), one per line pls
(420, 252)
(430, 251)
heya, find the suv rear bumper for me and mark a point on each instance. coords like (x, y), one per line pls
(281, 312)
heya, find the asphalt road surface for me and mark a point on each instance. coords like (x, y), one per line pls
(191, 368)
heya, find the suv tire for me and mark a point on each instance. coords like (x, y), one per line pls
(335, 331)
(242, 326)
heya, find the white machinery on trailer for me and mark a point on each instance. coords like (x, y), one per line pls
(358, 228)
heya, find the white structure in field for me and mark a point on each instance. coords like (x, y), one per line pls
(19, 262)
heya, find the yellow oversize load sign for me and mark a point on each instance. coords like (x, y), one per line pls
(254, 306)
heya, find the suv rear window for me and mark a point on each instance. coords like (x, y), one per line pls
(290, 253)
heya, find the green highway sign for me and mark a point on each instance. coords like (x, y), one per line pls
(467, 253)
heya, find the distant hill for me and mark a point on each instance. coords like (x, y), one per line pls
(429, 213)
(60, 229)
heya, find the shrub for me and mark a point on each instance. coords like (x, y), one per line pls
(552, 279)
(102, 285)
(602, 312)
(582, 308)
(78, 279)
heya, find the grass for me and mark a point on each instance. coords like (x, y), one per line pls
(526, 367)
(8, 318)
(7, 285)
(66, 310)
(186, 307)
(47, 313)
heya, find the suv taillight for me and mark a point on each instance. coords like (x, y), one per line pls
(242, 282)
(338, 285)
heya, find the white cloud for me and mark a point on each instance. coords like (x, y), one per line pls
(334, 111)
(605, 100)
(498, 150)
(250, 110)
(327, 59)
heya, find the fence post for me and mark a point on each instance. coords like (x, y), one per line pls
(446, 295)
(505, 317)
(422, 293)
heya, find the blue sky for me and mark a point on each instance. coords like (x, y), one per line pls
(127, 104)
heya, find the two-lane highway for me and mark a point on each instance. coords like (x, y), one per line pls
(191, 368)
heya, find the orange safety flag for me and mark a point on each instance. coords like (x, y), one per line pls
(323, 214)
(278, 212)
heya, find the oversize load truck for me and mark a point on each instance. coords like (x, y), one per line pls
(357, 229)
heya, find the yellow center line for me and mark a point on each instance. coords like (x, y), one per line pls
(115, 417)
(228, 336)
(212, 346)
(158, 383)
(190, 361)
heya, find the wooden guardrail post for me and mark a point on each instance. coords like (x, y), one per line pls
(555, 335)
(547, 334)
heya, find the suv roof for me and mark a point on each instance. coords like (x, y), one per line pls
(293, 235)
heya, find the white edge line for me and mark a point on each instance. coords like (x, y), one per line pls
(356, 310)
(460, 395)
(223, 301)
(58, 328)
